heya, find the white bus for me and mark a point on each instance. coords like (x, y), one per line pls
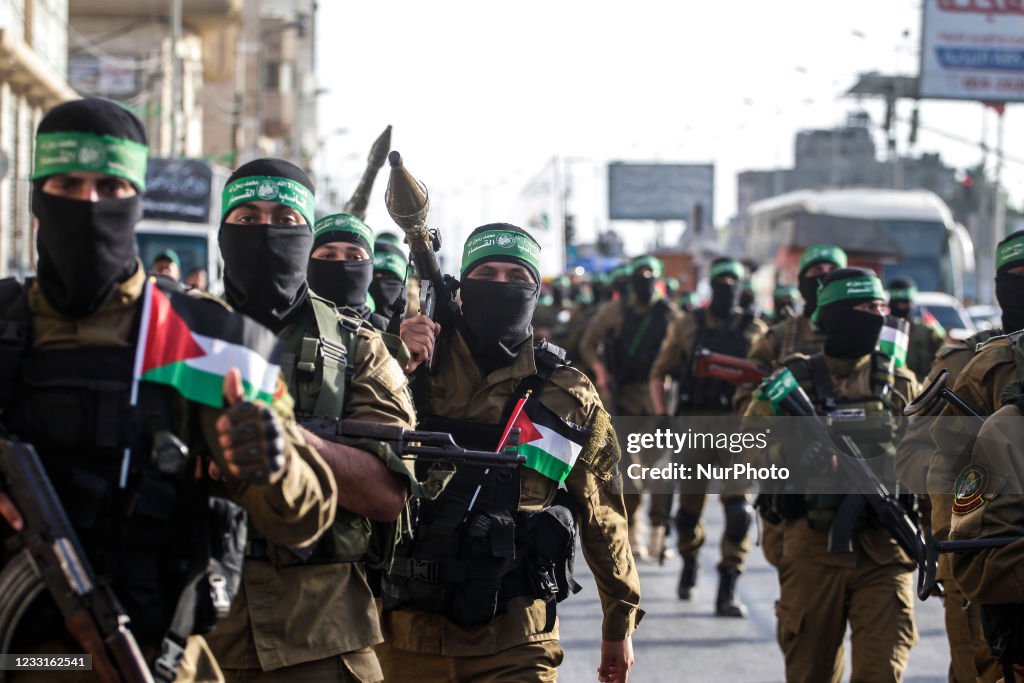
(897, 233)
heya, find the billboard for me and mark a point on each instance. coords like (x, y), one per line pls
(973, 50)
(659, 192)
(178, 190)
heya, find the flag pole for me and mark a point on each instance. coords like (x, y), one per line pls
(501, 445)
(140, 354)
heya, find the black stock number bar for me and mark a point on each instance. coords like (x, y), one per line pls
(45, 662)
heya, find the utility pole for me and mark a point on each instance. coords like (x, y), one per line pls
(177, 115)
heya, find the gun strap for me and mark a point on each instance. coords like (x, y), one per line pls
(824, 392)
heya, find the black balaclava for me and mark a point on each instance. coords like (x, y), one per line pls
(1010, 287)
(345, 283)
(265, 265)
(388, 287)
(643, 285)
(849, 333)
(725, 296)
(746, 300)
(901, 292)
(499, 314)
(87, 248)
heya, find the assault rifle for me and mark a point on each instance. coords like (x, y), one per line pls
(927, 402)
(49, 545)
(732, 369)
(420, 445)
(888, 511)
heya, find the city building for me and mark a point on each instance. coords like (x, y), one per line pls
(239, 85)
(33, 78)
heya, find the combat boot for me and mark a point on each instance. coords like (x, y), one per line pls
(726, 603)
(688, 577)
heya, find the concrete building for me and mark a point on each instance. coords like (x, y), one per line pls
(837, 158)
(33, 78)
(243, 85)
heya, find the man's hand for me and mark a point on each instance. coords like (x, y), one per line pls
(251, 435)
(419, 334)
(616, 660)
(10, 513)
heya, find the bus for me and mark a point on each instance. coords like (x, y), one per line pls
(896, 233)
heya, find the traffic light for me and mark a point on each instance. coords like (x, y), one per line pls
(570, 229)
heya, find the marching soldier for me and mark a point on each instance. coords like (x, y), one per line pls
(783, 304)
(620, 345)
(979, 374)
(987, 497)
(310, 616)
(390, 273)
(70, 369)
(925, 340)
(870, 587)
(795, 334)
(724, 328)
(473, 599)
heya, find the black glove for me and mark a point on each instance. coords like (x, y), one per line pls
(258, 446)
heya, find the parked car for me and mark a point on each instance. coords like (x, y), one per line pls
(947, 310)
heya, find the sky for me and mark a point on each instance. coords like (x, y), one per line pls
(484, 95)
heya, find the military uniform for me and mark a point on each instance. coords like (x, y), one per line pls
(325, 602)
(731, 337)
(970, 656)
(521, 643)
(310, 615)
(626, 337)
(925, 341)
(292, 512)
(871, 587)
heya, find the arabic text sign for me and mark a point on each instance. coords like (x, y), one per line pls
(973, 50)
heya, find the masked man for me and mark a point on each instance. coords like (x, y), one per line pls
(468, 600)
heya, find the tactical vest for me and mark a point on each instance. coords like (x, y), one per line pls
(727, 338)
(864, 419)
(318, 363)
(473, 549)
(633, 351)
(170, 551)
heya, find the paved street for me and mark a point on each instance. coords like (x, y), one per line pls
(683, 642)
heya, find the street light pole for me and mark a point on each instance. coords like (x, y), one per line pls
(176, 80)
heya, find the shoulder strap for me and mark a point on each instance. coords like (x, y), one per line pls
(332, 352)
(824, 392)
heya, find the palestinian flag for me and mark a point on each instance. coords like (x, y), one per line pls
(931, 321)
(550, 444)
(895, 340)
(190, 344)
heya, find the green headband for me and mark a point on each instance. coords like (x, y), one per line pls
(91, 153)
(651, 262)
(490, 243)
(786, 290)
(261, 188)
(727, 267)
(822, 252)
(347, 223)
(1011, 251)
(902, 293)
(391, 262)
(865, 287)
